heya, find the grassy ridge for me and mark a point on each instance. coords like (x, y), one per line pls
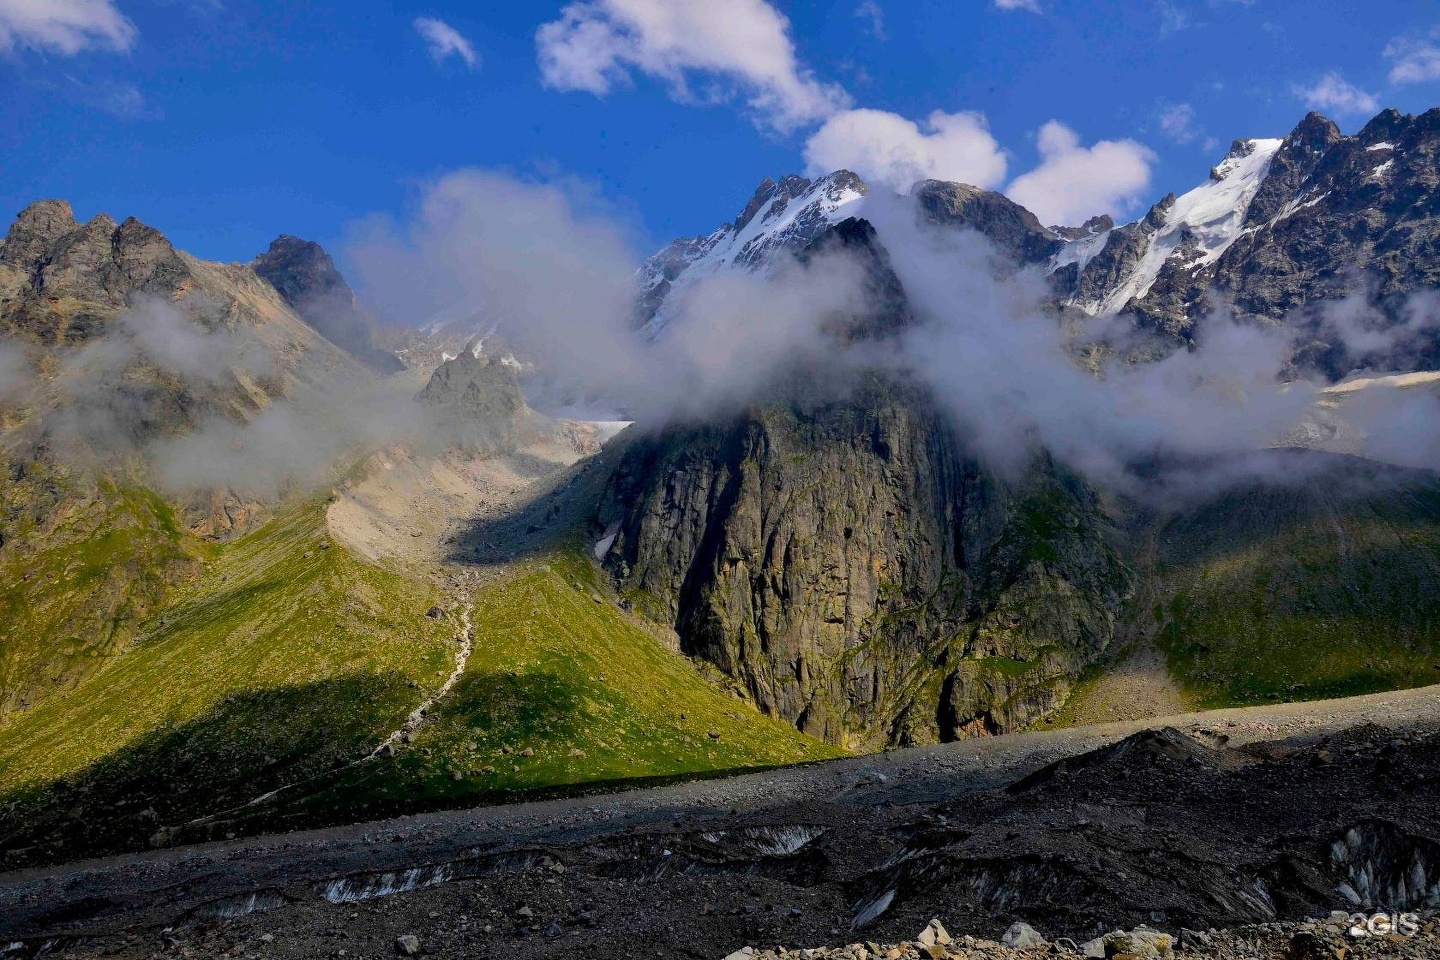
(1319, 591)
(565, 690)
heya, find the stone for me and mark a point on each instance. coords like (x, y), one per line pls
(407, 945)
(1022, 936)
(935, 933)
(525, 912)
(1142, 943)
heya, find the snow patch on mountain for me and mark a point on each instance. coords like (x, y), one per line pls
(1213, 214)
(782, 217)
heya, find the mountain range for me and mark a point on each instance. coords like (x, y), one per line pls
(267, 562)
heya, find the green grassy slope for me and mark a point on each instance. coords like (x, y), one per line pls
(1329, 587)
(84, 564)
(283, 659)
(564, 690)
(287, 659)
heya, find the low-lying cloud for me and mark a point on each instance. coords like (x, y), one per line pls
(984, 340)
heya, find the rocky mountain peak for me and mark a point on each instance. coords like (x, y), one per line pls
(782, 217)
(301, 270)
(1096, 225)
(784, 190)
(306, 277)
(36, 228)
(1014, 230)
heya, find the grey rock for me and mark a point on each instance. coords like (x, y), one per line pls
(407, 945)
(1022, 936)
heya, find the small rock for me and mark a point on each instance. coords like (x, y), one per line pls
(407, 945)
(525, 912)
(554, 930)
(1021, 936)
(528, 752)
(936, 933)
(435, 613)
(1095, 949)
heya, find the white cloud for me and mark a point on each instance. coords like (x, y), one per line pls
(887, 148)
(870, 12)
(1032, 5)
(64, 26)
(1178, 122)
(596, 44)
(1334, 92)
(1415, 61)
(1074, 182)
(445, 41)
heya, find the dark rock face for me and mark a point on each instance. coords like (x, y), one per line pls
(860, 575)
(1015, 231)
(1365, 219)
(303, 273)
(882, 309)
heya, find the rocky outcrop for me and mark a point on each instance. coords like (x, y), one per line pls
(61, 280)
(308, 279)
(476, 401)
(1016, 232)
(859, 574)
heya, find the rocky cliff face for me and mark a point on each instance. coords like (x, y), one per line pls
(860, 575)
(308, 279)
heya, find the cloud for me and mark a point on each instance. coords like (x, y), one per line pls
(445, 41)
(870, 12)
(1333, 92)
(1414, 60)
(66, 27)
(1172, 18)
(1074, 182)
(121, 100)
(1178, 122)
(541, 261)
(1032, 5)
(889, 149)
(742, 45)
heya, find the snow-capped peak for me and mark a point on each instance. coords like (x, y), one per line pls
(782, 217)
(1208, 219)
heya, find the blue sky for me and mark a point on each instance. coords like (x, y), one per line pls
(226, 122)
